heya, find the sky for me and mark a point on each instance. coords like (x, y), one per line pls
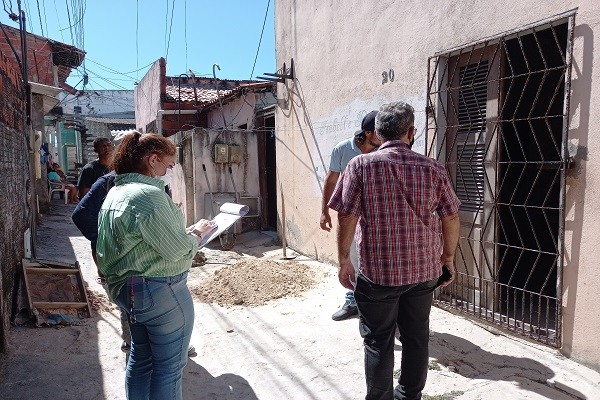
(123, 38)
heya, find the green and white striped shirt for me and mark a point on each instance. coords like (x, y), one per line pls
(141, 232)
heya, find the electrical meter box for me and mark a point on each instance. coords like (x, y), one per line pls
(221, 153)
(236, 154)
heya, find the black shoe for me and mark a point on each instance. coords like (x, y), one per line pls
(346, 311)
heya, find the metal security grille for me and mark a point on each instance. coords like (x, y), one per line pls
(498, 120)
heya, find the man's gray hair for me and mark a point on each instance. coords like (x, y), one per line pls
(394, 119)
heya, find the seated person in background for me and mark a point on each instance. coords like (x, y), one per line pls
(56, 167)
(54, 180)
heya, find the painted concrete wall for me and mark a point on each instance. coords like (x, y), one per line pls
(240, 111)
(147, 96)
(341, 53)
(198, 149)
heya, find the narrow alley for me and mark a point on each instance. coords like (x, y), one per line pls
(287, 349)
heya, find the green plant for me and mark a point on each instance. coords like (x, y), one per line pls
(434, 366)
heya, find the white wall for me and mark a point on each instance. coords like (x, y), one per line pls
(147, 96)
(98, 102)
(236, 113)
(341, 49)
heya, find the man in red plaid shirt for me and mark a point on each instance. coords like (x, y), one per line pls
(395, 200)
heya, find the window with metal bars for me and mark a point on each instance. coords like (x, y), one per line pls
(498, 120)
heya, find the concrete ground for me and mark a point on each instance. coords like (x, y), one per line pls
(287, 349)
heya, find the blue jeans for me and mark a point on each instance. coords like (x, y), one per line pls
(350, 298)
(161, 324)
(381, 309)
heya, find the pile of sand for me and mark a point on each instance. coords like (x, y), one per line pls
(253, 282)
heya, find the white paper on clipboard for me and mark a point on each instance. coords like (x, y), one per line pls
(228, 214)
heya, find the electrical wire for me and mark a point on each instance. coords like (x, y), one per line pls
(112, 79)
(137, 26)
(170, 27)
(70, 27)
(45, 19)
(9, 11)
(107, 80)
(166, 23)
(40, 16)
(260, 40)
(185, 32)
(28, 13)
(58, 20)
(126, 74)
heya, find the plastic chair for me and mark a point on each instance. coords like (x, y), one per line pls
(55, 186)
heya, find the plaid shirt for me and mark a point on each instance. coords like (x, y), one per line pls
(396, 194)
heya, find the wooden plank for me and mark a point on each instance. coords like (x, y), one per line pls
(37, 262)
(53, 271)
(27, 290)
(31, 267)
(59, 304)
(83, 290)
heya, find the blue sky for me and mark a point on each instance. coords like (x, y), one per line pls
(123, 36)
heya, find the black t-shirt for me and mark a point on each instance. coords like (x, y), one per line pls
(90, 174)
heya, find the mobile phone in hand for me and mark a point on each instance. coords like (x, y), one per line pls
(446, 276)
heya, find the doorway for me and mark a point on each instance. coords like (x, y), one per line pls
(268, 172)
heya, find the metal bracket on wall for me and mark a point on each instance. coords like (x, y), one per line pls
(286, 73)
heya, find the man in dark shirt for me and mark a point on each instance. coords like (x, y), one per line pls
(95, 169)
(397, 198)
(85, 217)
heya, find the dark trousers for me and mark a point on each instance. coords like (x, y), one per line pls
(381, 309)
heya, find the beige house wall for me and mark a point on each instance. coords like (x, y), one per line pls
(341, 49)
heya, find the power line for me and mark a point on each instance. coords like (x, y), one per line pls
(108, 69)
(9, 11)
(171, 26)
(45, 19)
(185, 32)
(29, 16)
(40, 16)
(58, 20)
(260, 40)
(166, 23)
(114, 79)
(107, 80)
(70, 26)
(137, 25)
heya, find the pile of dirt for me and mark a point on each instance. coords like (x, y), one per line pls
(254, 282)
(99, 301)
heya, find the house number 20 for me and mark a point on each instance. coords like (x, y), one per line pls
(387, 76)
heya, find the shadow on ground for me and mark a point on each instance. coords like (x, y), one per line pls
(199, 384)
(471, 361)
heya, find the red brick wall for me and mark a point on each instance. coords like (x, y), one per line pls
(14, 172)
(39, 55)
